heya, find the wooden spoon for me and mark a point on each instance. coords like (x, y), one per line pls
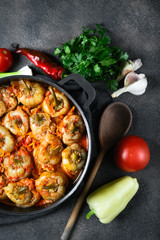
(115, 123)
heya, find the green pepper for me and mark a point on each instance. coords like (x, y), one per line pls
(109, 200)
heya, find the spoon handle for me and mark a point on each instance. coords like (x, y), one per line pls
(81, 198)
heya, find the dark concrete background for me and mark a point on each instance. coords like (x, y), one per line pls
(135, 27)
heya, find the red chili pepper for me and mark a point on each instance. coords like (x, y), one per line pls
(42, 61)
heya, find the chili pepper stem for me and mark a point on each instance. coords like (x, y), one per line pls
(90, 213)
(64, 74)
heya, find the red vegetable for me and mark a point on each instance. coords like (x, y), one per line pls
(131, 154)
(42, 61)
(6, 59)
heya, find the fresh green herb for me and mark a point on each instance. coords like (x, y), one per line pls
(90, 55)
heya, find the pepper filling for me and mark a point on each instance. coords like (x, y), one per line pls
(40, 119)
(76, 157)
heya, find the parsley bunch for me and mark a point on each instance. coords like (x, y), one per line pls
(90, 55)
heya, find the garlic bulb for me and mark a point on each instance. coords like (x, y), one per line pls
(130, 66)
(133, 83)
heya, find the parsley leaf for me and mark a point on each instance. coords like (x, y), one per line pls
(57, 51)
(91, 55)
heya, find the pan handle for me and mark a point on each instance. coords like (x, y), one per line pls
(84, 84)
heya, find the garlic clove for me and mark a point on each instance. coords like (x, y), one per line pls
(133, 83)
(129, 66)
(119, 92)
(137, 64)
(132, 77)
(138, 87)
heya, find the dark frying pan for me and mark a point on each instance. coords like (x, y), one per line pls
(90, 91)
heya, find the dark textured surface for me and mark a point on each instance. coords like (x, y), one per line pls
(134, 26)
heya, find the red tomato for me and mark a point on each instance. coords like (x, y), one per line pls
(132, 153)
(5, 59)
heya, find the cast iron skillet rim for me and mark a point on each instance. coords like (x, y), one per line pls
(29, 211)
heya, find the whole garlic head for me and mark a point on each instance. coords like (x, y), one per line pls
(133, 83)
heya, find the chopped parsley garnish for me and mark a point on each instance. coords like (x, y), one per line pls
(90, 55)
